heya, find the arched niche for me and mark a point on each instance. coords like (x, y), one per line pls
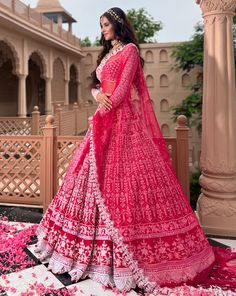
(35, 83)
(165, 129)
(186, 80)
(163, 56)
(149, 56)
(8, 80)
(89, 59)
(150, 81)
(164, 105)
(164, 81)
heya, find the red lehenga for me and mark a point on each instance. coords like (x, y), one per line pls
(120, 216)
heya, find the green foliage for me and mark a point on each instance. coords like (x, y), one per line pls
(195, 189)
(189, 54)
(97, 42)
(85, 42)
(191, 106)
(144, 25)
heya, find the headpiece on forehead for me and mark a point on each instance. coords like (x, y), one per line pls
(115, 15)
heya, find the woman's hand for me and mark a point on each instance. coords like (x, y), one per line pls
(103, 99)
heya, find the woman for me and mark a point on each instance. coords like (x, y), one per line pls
(120, 216)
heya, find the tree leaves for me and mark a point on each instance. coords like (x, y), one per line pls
(144, 24)
(189, 54)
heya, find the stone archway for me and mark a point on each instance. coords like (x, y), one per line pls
(8, 81)
(73, 85)
(35, 84)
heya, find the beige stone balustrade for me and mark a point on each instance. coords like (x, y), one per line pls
(69, 120)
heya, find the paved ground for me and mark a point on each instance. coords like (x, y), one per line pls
(33, 280)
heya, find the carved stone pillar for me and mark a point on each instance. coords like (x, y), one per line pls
(66, 100)
(48, 98)
(79, 93)
(217, 203)
(22, 104)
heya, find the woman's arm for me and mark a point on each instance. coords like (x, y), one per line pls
(130, 64)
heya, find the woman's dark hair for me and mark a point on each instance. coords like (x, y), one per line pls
(124, 32)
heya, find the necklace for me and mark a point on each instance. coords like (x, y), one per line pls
(115, 43)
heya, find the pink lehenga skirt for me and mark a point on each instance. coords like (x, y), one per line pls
(135, 228)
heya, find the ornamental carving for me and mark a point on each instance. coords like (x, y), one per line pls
(217, 5)
(218, 167)
(220, 18)
(223, 185)
(213, 207)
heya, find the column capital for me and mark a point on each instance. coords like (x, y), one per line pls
(217, 6)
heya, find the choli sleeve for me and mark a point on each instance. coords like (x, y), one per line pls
(95, 91)
(130, 64)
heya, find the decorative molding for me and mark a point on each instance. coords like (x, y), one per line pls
(16, 60)
(220, 208)
(208, 6)
(44, 69)
(218, 167)
(220, 18)
(219, 185)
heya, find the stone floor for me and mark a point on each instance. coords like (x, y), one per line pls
(20, 283)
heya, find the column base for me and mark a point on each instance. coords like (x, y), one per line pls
(217, 216)
(48, 112)
(217, 231)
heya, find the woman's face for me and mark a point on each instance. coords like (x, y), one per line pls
(107, 29)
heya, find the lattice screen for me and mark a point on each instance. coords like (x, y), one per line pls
(20, 168)
(16, 126)
(66, 147)
(42, 123)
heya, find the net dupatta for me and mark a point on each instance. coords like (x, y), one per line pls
(147, 115)
(130, 103)
(130, 90)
